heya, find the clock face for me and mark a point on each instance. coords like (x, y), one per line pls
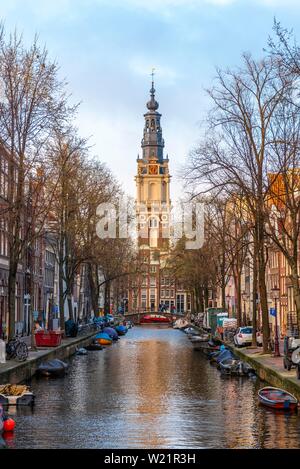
(153, 169)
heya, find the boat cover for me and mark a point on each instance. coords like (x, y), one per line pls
(54, 366)
(111, 332)
(224, 355)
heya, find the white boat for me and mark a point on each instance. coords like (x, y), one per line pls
(191, 331)
(199, 338)
(180, 323)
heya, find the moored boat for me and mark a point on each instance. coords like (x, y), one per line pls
(154, 319)
(235, 367)
(199, 338)
(181, 323)
(222, 354)
(191, 331)
(103, 339)
(81, 351)
(277, 398)
(113, 334)
(93, 346)
(200, 346)
(53, 368)
(121, 330)
(16, 394)
(207, 348)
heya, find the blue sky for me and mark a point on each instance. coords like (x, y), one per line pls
(107, 48)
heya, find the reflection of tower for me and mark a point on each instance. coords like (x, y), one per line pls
(152, 205)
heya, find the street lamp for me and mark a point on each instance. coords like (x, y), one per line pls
(275, 291)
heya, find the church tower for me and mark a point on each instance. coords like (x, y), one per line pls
(152, 207)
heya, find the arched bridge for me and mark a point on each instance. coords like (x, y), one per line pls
(136, 317)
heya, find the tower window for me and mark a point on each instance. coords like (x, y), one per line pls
(153, 222)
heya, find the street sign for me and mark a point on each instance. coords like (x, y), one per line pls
(273, 312)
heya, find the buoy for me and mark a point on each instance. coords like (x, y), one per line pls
(9, 425)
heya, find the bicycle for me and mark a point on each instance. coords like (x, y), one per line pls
(16, 348)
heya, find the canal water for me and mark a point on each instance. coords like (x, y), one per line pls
(149, 390)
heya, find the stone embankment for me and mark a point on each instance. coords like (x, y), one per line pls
(15, 372)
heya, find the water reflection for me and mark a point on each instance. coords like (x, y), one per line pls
(150, 390)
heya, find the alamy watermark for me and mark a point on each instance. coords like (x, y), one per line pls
(152, 221)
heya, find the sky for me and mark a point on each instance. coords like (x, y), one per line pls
(107, 48)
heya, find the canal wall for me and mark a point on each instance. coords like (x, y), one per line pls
(17, 372)
(269, 369)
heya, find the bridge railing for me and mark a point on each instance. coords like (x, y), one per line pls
(136, 316)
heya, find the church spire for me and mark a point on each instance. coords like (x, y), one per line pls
(152, 142)
(152, 105)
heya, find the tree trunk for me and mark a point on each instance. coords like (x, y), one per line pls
(205, 297)
(296, 290)
(70, 305)
(263, 300)
(93, 288)
(196, 301)
(61, 284)
(31, 293)
(260, 227)
(107, 298)
(223, 281)
(12, 275)
(223, 287)
(254, 296)
(237, 284)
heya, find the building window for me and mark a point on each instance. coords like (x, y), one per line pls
(152, 281)
(153, 222)
(152, 269)
(144, 298)
(180, 303)
(162, 293)
(144, 281)
(152, 294)
(155, 256)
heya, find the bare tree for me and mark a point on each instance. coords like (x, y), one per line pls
(66, 153)
(32, 100)
(283, 203)
(234, 156)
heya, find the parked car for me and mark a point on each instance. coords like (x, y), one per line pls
(243, 336)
